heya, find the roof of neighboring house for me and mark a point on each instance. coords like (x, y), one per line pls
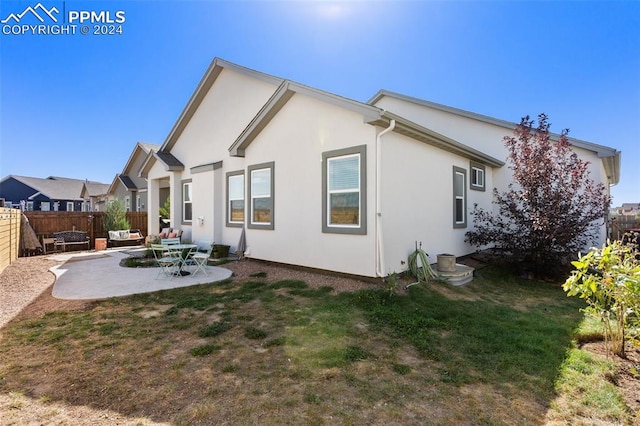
(610, 156)
(141, 148)
(55, 187)
(95, 189)
(630, 206)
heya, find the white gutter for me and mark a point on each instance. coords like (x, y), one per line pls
(379, 242)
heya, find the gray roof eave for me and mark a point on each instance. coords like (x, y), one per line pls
(422, 134)
(600, 150)
(208, 79)
(280, 97)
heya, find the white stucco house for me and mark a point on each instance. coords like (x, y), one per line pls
(321, 181)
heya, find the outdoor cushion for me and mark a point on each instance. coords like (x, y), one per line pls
(134, 235)
(162, 235)
(173, 235)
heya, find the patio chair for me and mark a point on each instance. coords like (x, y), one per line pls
(201, 256)
(168, 260)
(169, 241)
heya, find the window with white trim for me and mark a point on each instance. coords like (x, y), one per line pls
(138, 203)
(344, 191)
(261, 199)
(477, 176)
(235, 198)
(29, 206)
(459, 197)
(45, 206)
(187, 202)
(69, 206)
(127, 203)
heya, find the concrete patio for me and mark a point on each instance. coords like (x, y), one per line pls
(98, 275)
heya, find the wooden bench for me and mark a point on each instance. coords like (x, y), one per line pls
(71, 238)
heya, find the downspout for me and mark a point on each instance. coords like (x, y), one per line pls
(379, 241)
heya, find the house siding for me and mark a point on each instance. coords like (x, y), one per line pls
(485, 137)
(295, 140)
(230, 104)
(417, 203)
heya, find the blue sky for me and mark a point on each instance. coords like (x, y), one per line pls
(75, 105)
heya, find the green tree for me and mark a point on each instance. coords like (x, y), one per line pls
(165, 210)
(115, 217)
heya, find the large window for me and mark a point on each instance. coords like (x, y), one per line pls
(344, 191)
(477, 179)
(45, 206)
(459, 197)
(69, 206)
(235, 198)
(187, 199)
(261, 188)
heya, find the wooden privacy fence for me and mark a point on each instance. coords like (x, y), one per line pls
(46, 223)
(620, 224)
(9, 236)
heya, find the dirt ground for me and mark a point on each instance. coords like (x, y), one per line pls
(25, 291)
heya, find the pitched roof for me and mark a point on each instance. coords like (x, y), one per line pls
(610, 156)
(55, 187)
(95, 189)
(281, 96)
(372, 115)
(210, 76)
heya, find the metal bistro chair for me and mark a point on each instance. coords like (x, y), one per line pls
(168, 260)
(201, 256)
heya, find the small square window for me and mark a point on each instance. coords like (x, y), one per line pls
(477, 174)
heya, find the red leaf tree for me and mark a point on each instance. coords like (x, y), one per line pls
(553, 208)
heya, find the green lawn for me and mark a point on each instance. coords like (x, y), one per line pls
(497, 351)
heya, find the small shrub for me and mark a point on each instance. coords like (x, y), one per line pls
(391, 284)
(254, 333)
(608, 279)
(312, 398)
(230, 368)
(214, 329)
(401, 369)
(204, 350)
(355, 354)
(278, 341)
(171, 311)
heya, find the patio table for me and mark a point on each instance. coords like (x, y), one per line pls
(181, 247)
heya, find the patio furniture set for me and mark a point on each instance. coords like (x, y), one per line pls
(174, 258)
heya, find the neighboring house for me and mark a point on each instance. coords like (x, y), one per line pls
(51, 194)
(128, 187)
(630, 209)
(322, 181)
(95, 195)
